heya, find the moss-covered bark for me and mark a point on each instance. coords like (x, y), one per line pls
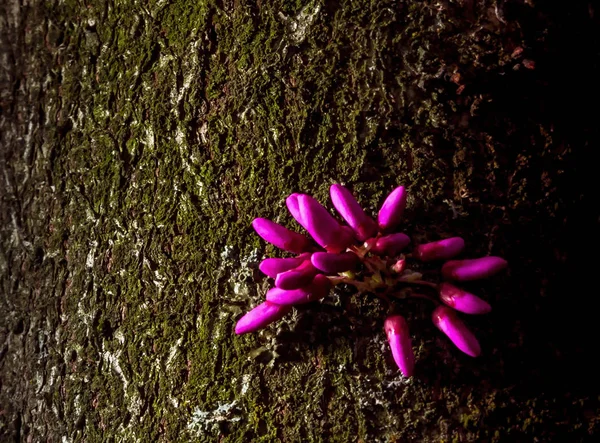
(139, 140)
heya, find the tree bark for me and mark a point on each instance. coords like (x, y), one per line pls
(140, 139)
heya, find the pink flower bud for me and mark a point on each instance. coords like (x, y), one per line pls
(274, 266)
(279, 236)
(321, 225)
(462, 300)
(318, 289)
(260, 316)
(390, 245)
(293, 206)
(297, 277)
(398, 337)
(473, 269)
(334, 263)
(446, 320)
(391, 211)
(347, 206)
(439, 250)
(399, 266)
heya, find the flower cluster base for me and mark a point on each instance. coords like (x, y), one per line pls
(368, 254)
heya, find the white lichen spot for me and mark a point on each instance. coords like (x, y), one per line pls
(217, 331)
(112, 359)
(226, 253)
(89, 215)
(150, 137)
(173, 352)
(204, 132)
(52, 378)
(39, 382)
(180, 137)
(77, 404)
(298, 26)
(245, 383)
(89, 261)
(120, 337)
(186, 85)
(202, 422)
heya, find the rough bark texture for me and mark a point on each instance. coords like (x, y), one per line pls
(140, 138)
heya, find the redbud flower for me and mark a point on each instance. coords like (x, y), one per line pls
(318, 289)
(321, 225)
(294, 207)
(279, 236)
(376, 267)
(391, 211)
(347, 206)
(274, 266)
(297, 277)
(473, 269)
(446, 320)
(462, 300)
(390, 245)
(399, 266)
(439, 250)
(260, 316)
(334, 263)
(398, 337)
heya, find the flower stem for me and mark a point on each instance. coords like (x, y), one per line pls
(427, 297)
(420, 283)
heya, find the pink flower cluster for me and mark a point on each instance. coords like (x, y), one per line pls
(367, 254)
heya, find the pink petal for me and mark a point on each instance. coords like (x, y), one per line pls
(334, 263)
(473, 269)
(391, 245)
(445, 320)
(260, 316)
(391, 211)
(318, 289)
(274, 266)
(297, 277)
(279, 236)
(398, 337)
(462, 300)
(321, 225)
(439, 250)
(347, 206)
(293, 206)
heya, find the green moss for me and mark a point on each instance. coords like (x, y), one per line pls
(190, 118)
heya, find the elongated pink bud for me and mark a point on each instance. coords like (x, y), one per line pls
(399, 266)
(398, 337)
(297, 277)
(462, 300)
(446, 320)
(391, 245)
(294, 207)
(439, 250)
(318, 289)
(333, 263)
(391, 211)
(274, 266)
(279, 236)
(321, 225)
(473, 269)
(347, 206)
(260, 316)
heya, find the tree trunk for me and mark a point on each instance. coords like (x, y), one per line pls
(140, 139)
